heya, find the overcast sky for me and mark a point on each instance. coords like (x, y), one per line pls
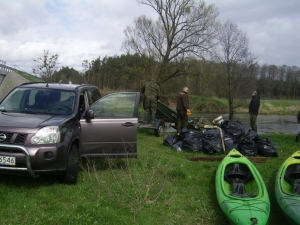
(80, 30)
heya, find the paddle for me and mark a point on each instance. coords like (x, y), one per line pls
(221, 135)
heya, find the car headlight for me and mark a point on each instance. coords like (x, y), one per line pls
(46, 135)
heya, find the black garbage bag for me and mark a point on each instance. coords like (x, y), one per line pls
(234, 129)
(229, 144)
(266, 147)
(298, 136)
(192, 143)
(212, 142)
(170, 139)
(192, 122)
(252, 135)
(247, 147)
(247, 144)
(177, 146)
(185, 132)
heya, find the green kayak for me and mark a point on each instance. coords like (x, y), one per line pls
(241, 191)
(287, 188)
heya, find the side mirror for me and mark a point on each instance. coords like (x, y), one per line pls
(89, 114)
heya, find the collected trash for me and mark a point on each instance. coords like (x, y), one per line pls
(201, 123)
(218, 121)
(298, 136)
(220, 138)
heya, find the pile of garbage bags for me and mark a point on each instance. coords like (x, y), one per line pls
(221, 139)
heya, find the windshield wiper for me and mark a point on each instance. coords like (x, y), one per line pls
(28, 112)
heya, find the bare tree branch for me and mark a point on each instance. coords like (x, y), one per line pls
(45, 64)
(183, 28)
(235, 59)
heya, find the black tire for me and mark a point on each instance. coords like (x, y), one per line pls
(71, 174)
(160, 130)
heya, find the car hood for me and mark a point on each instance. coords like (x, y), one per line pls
(30, 120)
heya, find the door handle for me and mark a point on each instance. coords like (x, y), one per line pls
(128, 124)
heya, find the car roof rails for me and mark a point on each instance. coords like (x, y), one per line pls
(33, 83)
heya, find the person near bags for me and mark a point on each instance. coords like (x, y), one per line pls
(183, 109)
(151, 92)
(253, 110)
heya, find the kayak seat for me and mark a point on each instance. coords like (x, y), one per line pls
(238, 186)
(238, 174)
(237, 170)
(292, 175)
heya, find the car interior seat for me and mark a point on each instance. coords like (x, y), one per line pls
(41, 100)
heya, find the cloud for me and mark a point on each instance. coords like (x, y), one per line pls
(272, 27)
(80, 30)
(76, 30)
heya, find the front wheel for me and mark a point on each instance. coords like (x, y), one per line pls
(71, 174)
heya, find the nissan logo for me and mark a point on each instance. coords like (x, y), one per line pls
(2, 137)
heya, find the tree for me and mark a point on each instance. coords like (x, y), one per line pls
(235, 60)
(66, 75)
(184, 28)
(45, 65)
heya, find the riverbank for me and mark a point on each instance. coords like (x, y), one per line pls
(220, 106)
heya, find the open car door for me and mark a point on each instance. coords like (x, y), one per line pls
(112, 130)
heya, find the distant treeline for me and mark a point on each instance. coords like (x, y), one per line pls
(130, 72)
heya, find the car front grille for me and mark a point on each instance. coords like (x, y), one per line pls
(20, 139)
(13, 139)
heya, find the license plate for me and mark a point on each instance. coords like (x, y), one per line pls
(7, 160)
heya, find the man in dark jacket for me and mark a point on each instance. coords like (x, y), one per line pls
(253, 110)
(151, 92)
(182, 108)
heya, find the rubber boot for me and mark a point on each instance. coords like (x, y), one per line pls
(146, 117)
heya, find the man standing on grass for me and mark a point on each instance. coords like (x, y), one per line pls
(151, 93)
(182, 108)
(253, 110)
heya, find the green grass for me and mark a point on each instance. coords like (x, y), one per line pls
(161, 186)
(280, 107)
(31, 78)
(282, 103)
(199, 104)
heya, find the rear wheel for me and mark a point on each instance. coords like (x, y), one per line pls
(160, 129)
(71, 174)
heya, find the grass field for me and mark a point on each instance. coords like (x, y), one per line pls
(161, 186)
(218, 105)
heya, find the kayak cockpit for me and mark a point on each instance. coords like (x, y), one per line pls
(239, 175)
(292, 175)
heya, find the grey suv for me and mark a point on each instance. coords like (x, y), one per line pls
(46, 127)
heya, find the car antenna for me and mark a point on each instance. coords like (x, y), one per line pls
(59, 82)
(47, 85)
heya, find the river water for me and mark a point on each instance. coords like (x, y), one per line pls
(286, 124)
(265, 123)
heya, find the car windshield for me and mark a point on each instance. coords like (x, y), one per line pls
(39, 101)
